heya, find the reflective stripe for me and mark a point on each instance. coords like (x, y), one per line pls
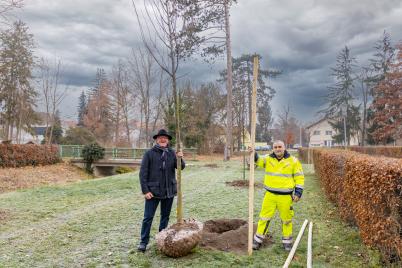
(286, 222)
(287, 240)
(280, 190)
(265, 219)
(298, 174)
(279, 174)
(299, 186)
(258, 238)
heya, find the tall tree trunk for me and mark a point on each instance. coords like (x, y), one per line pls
(229, 84)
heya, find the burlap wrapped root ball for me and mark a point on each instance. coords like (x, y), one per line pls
(179, 239)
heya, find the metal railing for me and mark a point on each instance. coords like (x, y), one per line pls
(75, 151)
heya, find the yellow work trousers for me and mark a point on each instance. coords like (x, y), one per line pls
(270, 203)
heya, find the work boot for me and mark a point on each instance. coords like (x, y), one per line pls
(257, 241)
(287, 246)
(142, 247)
(287, 243)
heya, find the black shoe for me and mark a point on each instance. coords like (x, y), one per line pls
(256, 245)
(142, 247)
(287, 246)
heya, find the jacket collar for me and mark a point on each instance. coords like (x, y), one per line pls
(156, 147)
(285, 155)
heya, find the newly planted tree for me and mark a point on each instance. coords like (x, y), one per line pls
(172, 31)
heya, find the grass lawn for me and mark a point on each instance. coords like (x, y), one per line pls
(96, 223)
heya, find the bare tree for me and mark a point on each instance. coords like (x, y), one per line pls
(121, 104)
(52, 93)
(6, 6)
(142, 67)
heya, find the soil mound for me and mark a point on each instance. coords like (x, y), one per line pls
(229, 235)
(243, 183)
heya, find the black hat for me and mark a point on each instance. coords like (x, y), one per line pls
(162, 132)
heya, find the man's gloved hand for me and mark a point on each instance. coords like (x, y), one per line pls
(297, 194)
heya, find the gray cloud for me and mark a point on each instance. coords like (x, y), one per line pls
(302, 38)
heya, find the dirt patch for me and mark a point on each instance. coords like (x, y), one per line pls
(12, 179)
(227, 235)
(211, 165)
(4, 215)
(243, 183)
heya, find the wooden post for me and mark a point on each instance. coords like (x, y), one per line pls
(178, 148)
(251, 178)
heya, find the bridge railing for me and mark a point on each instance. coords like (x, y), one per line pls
(75, 151)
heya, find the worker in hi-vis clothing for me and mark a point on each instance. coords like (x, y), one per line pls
(283, 182)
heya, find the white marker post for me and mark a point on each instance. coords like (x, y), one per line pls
(292, 252)
(251, 178)
(310, 246)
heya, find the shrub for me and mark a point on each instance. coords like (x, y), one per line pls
(19, 155)
(124, 169)
(91, 153)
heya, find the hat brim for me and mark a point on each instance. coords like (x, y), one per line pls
(165, 135)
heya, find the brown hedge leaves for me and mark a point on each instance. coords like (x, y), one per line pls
(368, 191)
(19, 155)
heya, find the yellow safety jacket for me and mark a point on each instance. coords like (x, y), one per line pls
(281, 177)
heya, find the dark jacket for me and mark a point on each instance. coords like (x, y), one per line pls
(157, 178)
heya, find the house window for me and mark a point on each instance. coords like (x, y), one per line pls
(328, 132)
(328, 143)
(316, 132)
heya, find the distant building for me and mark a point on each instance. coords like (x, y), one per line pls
(321, 133)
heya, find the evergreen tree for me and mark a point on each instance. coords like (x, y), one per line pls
(82, 108)
(17, 96)
(352, 125)
(340, 96)
(242, 91)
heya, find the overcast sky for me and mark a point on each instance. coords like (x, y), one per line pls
(301, 38)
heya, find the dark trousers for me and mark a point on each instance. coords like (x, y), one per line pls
(150, 208)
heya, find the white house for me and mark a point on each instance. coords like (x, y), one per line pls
(321, 133)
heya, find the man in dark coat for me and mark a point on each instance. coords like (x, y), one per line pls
(158, 183)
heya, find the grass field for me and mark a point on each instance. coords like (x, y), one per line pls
(96, 223)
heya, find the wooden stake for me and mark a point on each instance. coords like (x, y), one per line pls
(251, 178)
(310, 246)
(292, 252)
(178, 148)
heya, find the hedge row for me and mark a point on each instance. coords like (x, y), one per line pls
(394, 151)
(368, 191)
(13, 155)
(390, 151)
